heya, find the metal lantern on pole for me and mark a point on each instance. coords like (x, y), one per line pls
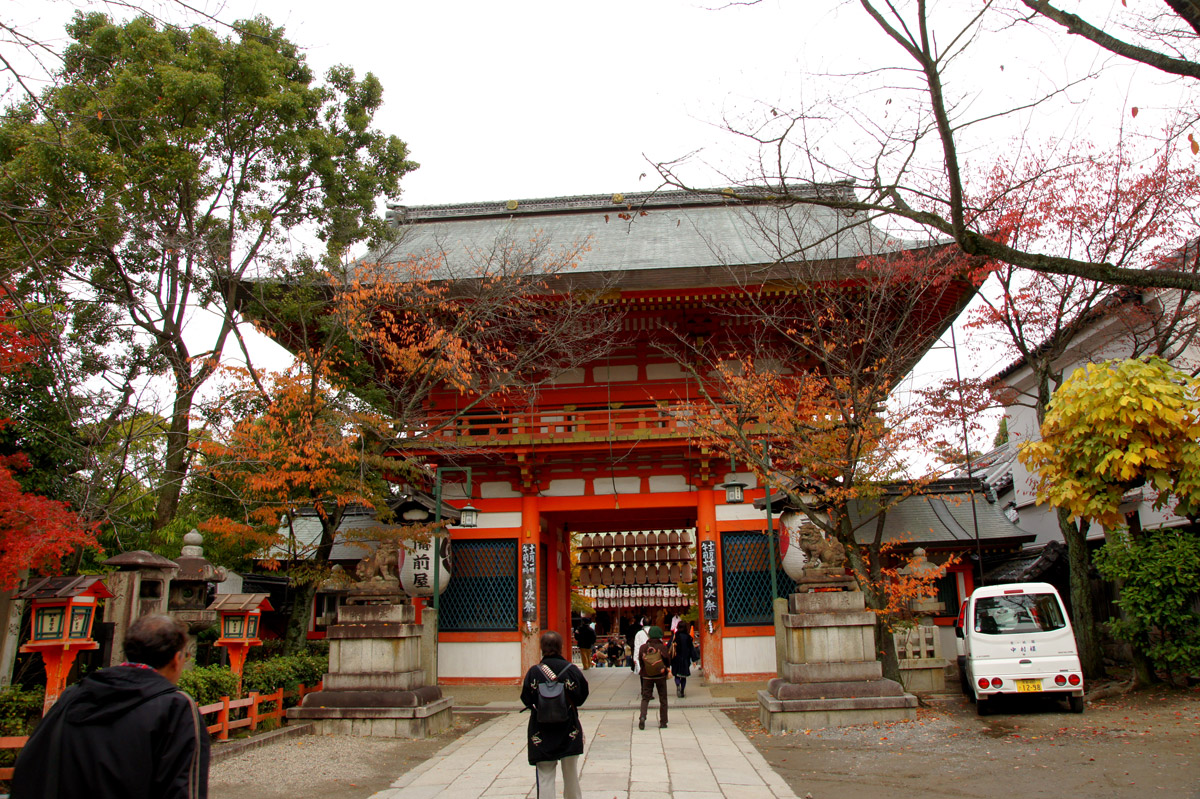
(735, 492)
(64, 610)
(437, 501)
(240, 617)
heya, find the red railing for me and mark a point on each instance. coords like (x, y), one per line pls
(254, 713)
(563, 425)
(11, 742)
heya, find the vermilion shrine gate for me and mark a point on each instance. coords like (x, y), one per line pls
(604, 460)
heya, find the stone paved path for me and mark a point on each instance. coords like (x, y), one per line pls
(701, 755)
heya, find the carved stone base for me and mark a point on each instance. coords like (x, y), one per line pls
(821, 579)
(375, 685)
(779, 716)
(830, 676)
(379, 722)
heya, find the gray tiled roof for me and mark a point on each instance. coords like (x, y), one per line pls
(353, 541)
(942, 518)
(660, 230)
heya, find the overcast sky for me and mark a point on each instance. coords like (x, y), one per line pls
(542, 98)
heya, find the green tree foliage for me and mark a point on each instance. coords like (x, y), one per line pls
(160, 169)
(1116, 425)
(1159, 575)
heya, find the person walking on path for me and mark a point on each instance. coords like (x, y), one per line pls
(614, 651)
(643, 635)
(652, 665)
(125, 732)
(553, 742)
(585, 638)
(683, 649)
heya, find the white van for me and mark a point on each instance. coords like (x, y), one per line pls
(1017, 639)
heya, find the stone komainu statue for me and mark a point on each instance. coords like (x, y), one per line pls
(819, 551)
(380, 564)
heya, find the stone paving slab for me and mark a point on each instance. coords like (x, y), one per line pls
(703, 758)
(700, 755)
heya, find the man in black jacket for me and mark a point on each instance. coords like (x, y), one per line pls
(585, 639)
(125, 732)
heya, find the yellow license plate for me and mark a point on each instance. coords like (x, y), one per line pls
(1029, 686)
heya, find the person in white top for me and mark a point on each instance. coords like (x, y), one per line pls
(643, 635)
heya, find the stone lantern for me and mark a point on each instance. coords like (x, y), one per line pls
(188, 598)
(139, 588)
(64, 610)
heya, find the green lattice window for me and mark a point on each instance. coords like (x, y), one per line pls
(482, 594)
(747, 579)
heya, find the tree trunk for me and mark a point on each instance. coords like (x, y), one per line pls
(175, 464)
(875, 598)
(295, 637)
(1082, 611)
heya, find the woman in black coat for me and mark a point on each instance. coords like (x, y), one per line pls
(550, 744)
(681, 663)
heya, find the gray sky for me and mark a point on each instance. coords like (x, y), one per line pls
(541, 98)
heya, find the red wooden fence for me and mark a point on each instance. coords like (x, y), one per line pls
(11, 742)
(254, 713)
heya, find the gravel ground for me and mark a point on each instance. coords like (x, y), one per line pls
(327, 766)
(1146, 743)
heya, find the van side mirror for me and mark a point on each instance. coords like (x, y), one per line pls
(958, 633)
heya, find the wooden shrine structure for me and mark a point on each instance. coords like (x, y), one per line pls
(602, 467)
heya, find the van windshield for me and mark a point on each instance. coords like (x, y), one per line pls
(1018, 613)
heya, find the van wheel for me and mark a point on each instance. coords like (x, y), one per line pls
(966, 686)
(1075, 704)
(983, 706)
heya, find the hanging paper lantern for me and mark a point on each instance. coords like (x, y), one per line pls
(416, 566)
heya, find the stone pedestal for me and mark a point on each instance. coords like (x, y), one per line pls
(375, 685)
(830, 676)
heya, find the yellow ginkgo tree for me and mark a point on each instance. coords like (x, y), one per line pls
(1116, 425)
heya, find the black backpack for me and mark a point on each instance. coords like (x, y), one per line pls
(552, 707)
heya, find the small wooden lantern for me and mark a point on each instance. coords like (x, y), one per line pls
(240, 617)
(64, 610)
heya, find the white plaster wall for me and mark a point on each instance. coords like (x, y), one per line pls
(625, 485)
(664, 371)
(749, 655)
(668, 484)
(741, 512)
(482, 659)
(749, 478)
(615, 374)
(565, 488)
(498, 489)
(490, 521)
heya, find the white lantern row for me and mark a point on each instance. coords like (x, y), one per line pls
(634, 596)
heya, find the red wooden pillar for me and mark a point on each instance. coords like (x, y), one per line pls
(709, 626)
(530, 537)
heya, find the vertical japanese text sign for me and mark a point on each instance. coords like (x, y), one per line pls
(529, 582)
(708, 578)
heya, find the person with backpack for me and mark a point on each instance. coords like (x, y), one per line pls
(653, 659)
(552, 691)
